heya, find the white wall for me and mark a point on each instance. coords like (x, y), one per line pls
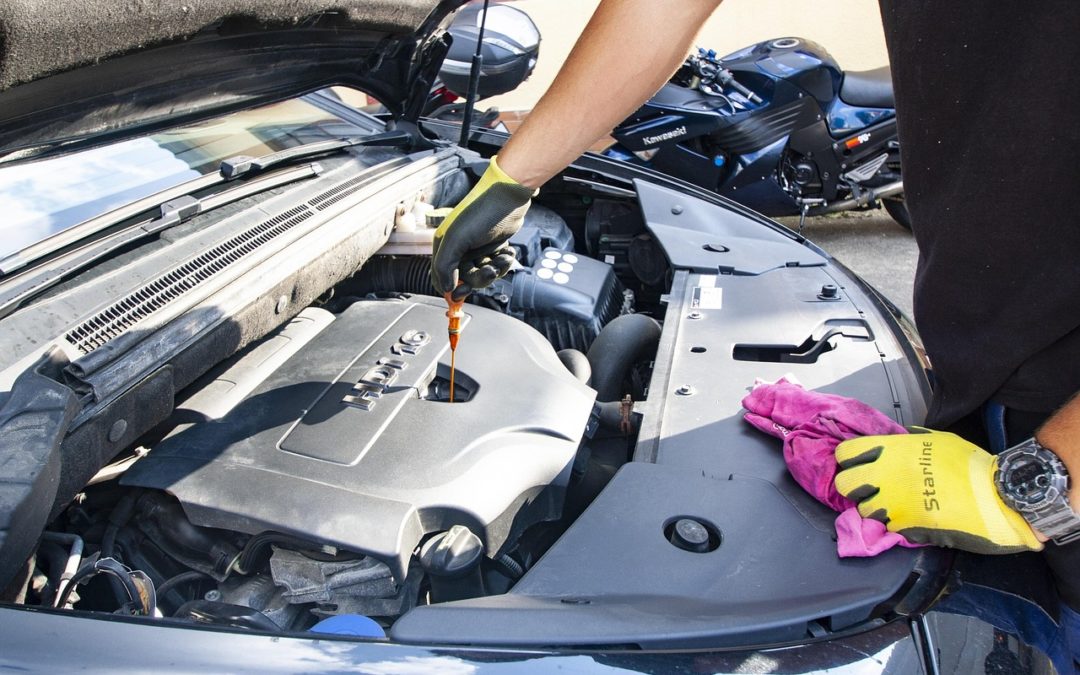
(849, 29)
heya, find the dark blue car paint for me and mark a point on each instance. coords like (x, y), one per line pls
(41, 641)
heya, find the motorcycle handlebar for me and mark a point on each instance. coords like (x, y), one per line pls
(753, 98)
(711, 71)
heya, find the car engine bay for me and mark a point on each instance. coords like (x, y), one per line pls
(283, 450)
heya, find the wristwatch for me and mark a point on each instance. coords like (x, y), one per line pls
(1034, 482)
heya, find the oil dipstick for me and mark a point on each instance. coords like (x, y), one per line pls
(453, 329)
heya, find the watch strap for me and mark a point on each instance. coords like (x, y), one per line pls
(1057, 522)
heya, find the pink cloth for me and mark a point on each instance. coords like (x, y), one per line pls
(812, 424)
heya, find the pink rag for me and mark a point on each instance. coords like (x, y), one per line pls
(812, 424)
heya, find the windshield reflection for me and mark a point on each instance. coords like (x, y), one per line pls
(49, 196)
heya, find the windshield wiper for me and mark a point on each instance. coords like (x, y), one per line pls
(230, 169)
(236, 167)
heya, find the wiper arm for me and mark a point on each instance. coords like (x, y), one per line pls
(171, 214)
(230, 169)
(235, 167)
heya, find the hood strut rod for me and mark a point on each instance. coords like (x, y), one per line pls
(474, 81)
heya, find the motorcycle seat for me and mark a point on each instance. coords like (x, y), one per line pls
(868, 88)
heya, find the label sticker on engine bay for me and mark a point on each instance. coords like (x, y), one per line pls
(707, 297)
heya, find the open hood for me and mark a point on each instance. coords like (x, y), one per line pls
(74, 78)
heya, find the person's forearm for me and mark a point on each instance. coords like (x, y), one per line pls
(1061, 433)
(626, 53)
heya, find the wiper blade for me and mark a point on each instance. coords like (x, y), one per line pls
(185, 207)
(229, 169)
(235, 167)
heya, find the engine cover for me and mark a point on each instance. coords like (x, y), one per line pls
(348, 441)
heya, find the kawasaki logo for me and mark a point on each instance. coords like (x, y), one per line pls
(666, 136)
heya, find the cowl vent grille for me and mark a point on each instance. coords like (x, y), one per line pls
(122, 315)
(325, 200)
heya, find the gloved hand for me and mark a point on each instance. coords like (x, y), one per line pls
(934, 488)
(472, 239)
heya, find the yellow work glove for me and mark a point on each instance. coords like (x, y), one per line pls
(934, 488)
(472, 241)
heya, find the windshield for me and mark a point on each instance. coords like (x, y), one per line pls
(49, 196)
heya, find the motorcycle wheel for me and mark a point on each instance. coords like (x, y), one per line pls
(898, 210)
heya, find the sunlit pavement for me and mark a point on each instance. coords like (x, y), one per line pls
(872, 245)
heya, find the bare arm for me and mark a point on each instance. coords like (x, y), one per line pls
(1061, 433)
(626, 53)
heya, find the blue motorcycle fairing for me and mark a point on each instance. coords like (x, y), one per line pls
(798, 61)
(666, 128)
(698, 169)
(807, 70)
(844, 118)
(753, 182)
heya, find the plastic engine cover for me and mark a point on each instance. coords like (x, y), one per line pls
(348, 442)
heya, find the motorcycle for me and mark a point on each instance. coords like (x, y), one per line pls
(778, 127)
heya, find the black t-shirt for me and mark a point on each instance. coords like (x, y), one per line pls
(988, 107)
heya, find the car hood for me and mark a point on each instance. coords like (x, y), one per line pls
(69, 79)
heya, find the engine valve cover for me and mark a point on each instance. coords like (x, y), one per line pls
(350, 441)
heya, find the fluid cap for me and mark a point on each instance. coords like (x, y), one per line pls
(355, 625)
(434, 217)
(453, 553)
(690, 535)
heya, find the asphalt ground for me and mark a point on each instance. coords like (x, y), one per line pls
(872, 245)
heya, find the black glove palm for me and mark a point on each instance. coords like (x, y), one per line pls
(470, 245)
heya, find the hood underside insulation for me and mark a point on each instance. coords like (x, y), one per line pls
(40, 38)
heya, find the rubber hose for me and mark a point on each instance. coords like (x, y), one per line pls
(512, 567)
(118, 518)
(173, 526)
(405, 274)
(577, 363)
(257, 545)
(74, 556)
(51, 559)
(182, 578)
(622, 343)
(116, 571)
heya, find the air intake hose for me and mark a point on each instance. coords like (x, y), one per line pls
(625, 341)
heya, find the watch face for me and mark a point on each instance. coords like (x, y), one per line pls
(1030, 481)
